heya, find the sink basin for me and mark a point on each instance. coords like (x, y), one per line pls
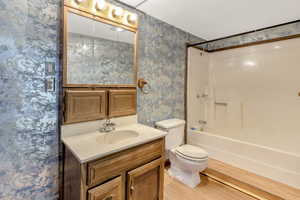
(116, 137)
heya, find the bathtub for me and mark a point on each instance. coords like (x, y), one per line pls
(278, 165)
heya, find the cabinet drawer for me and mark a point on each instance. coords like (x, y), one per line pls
(111, 190)
(114, 165)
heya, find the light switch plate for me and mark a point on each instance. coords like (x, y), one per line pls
(49, 68)
(50, 84)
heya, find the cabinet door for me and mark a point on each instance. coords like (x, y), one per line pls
(82, 106)
(122, 103)
(111, 190)
(146, 182)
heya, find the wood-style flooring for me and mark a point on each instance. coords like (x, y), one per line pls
(247, 181)
(209, 189)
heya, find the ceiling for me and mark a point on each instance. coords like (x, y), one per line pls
(211, 19)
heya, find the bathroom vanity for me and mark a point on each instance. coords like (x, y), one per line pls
(127, 163)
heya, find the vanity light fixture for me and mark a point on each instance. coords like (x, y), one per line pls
(131, 18)
(117, 12)
(101, 4)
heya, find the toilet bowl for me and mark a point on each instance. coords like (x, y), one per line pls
(187, 161)
(186, 167)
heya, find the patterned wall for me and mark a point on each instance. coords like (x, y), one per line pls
(28, 115)
(282, 31)
(162, 63)
(94, 60)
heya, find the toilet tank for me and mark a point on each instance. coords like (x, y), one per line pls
(175, 130)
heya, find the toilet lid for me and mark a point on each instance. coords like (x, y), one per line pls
(191, 151)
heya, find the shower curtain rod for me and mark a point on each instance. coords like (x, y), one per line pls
(248, 32)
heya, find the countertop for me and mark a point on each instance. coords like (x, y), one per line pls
(86, 147)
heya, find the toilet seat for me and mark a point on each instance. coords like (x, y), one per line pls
(190, 158)
(191, 153)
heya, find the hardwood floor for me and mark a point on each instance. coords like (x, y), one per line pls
(207, 190)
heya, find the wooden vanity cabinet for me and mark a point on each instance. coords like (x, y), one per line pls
(133, 174)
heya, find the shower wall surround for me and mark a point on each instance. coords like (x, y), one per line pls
(249, 99)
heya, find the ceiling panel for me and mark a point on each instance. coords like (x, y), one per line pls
(212, 19)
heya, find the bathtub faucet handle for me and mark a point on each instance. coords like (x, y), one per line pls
(202, 122)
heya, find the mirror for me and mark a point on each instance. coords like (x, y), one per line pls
(99, 53)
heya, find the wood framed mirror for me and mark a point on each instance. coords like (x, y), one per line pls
(98, 51)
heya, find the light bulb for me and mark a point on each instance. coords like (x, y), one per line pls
(101, 4)
(118, 12)
(249, 63)
(85, 47)
(277, 47)
(118, 29)
(80, 1)
(132, 18)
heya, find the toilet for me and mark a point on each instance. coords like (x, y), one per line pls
(186, 160)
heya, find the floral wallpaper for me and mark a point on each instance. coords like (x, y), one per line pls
(29, 136)
(28, 115)
(162, 55)
(94, 60)
(281, 31)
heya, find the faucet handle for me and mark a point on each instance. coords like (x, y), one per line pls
(108, 122)
(112, 124)
(202, 122)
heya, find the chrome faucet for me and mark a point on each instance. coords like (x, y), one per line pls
(108, 126)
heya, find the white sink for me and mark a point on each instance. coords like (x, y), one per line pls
(116, 137)
(94, 145)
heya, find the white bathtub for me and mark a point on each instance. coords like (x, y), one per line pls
(272, 163)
